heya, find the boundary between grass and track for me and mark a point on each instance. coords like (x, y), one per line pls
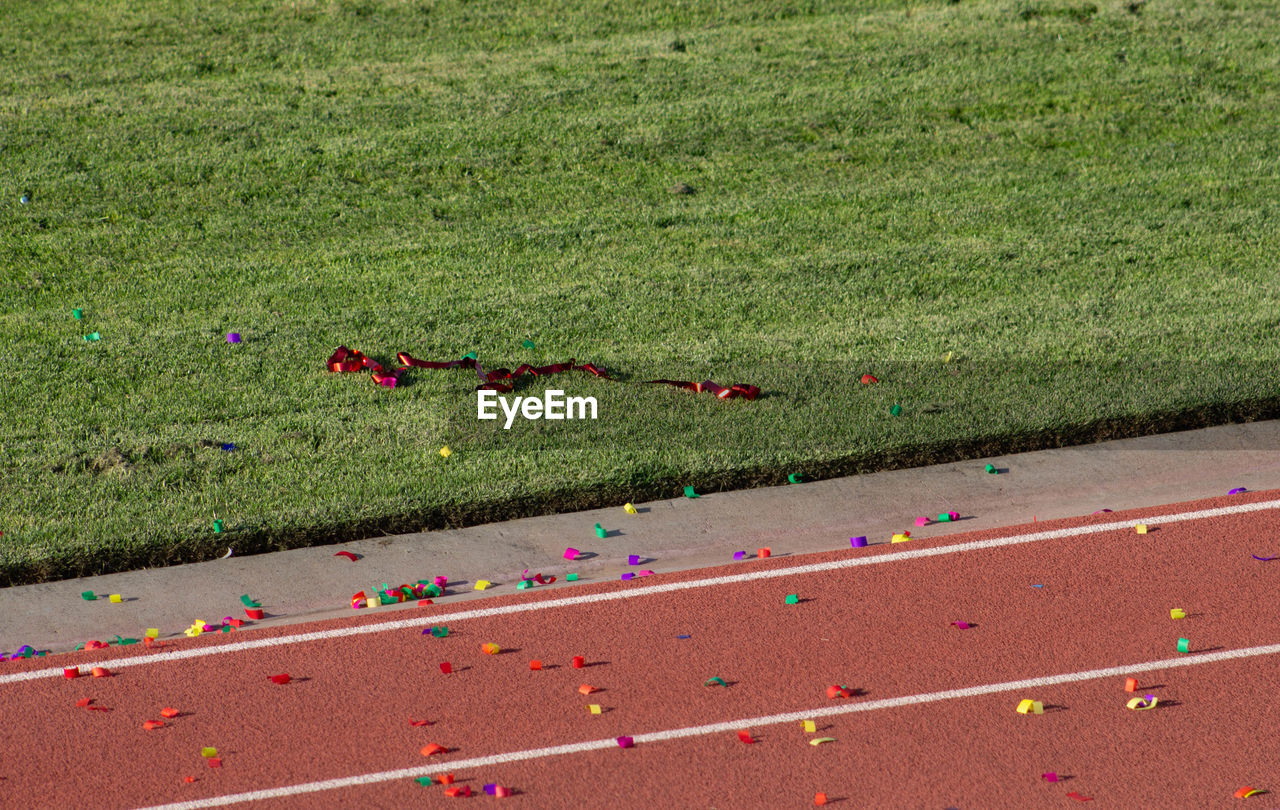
(717, 728)
(650, 590)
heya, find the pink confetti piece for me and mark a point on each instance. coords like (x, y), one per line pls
(1051, 776)
(961, 625)
(922, 521)
(626, 742)
(571, 554)
(646, 573)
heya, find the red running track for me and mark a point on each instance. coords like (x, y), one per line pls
(883, 628)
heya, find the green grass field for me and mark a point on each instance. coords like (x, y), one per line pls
(1079, 201)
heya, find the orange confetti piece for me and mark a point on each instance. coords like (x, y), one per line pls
(82, 702)
(1246, 792)
(446, 779)
(745, 736)
(152, 724)
(820, 799)
(535, 665)
(586, 689)
(490, 649)
(167, 712)
(188, 779)
(433, 748)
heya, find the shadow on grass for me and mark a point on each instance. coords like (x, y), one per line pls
(179, 549)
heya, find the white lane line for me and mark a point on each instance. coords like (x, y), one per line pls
(718, 728)
(649, 590)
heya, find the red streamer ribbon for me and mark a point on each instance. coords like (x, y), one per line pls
(736, 390)
(501, 380)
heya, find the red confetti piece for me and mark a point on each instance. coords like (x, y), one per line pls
(1079, 798)
(446, 667)
(152, 724)
(282, 678)
(446, 779)
(419, 723)
(867, 379)
(745, 736)
(455, 792)
(99, 709)
(535, 665)
(71, 672)
(431, 749)
(348, 555)
(215, 762)
(579, 662)
(253, 613)
(82, 702)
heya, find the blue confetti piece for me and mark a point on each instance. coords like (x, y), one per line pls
(228, 447)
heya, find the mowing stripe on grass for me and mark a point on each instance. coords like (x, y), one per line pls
(650, 590)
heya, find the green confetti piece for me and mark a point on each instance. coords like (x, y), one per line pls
(93, 338)
(423, 780)
(470, 356)
(217, 526)
(689, 493)
(895, 410)
(991, 468)
(247, 602)
(794, 478)
(88, 596)
(125, 642)
(524, 585)
(434, 590)
(944, 517)
(440, 632)
(77, 314)
(600, 532)
(793, 599)
(226, 628)
(571, 578)
(528, 344)
(715, 682)
(1184, 646)
(79, 647)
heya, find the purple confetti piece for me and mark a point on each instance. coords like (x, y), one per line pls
(233, 337)
(858, 542)
(628, 576)
(1262, 559)
(491, 788)
(633, 559)
(739, 555)
(684, 636)
(1237, 491)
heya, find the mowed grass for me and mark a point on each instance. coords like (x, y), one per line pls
(1078, 200)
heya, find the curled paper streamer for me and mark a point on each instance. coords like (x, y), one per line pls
(348, 555)
(748, 392)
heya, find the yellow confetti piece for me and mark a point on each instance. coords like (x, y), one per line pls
(900, 538)
(810, 726)
(1177, 613)
(1141, 705)
(594, 708)
(1031, 706)
(491, 649)
(115, 597)
(481, 584)
(821, 740)
(208, 752)
(1141, 528)
(630, 509)
(445, 452)
(152, 632)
